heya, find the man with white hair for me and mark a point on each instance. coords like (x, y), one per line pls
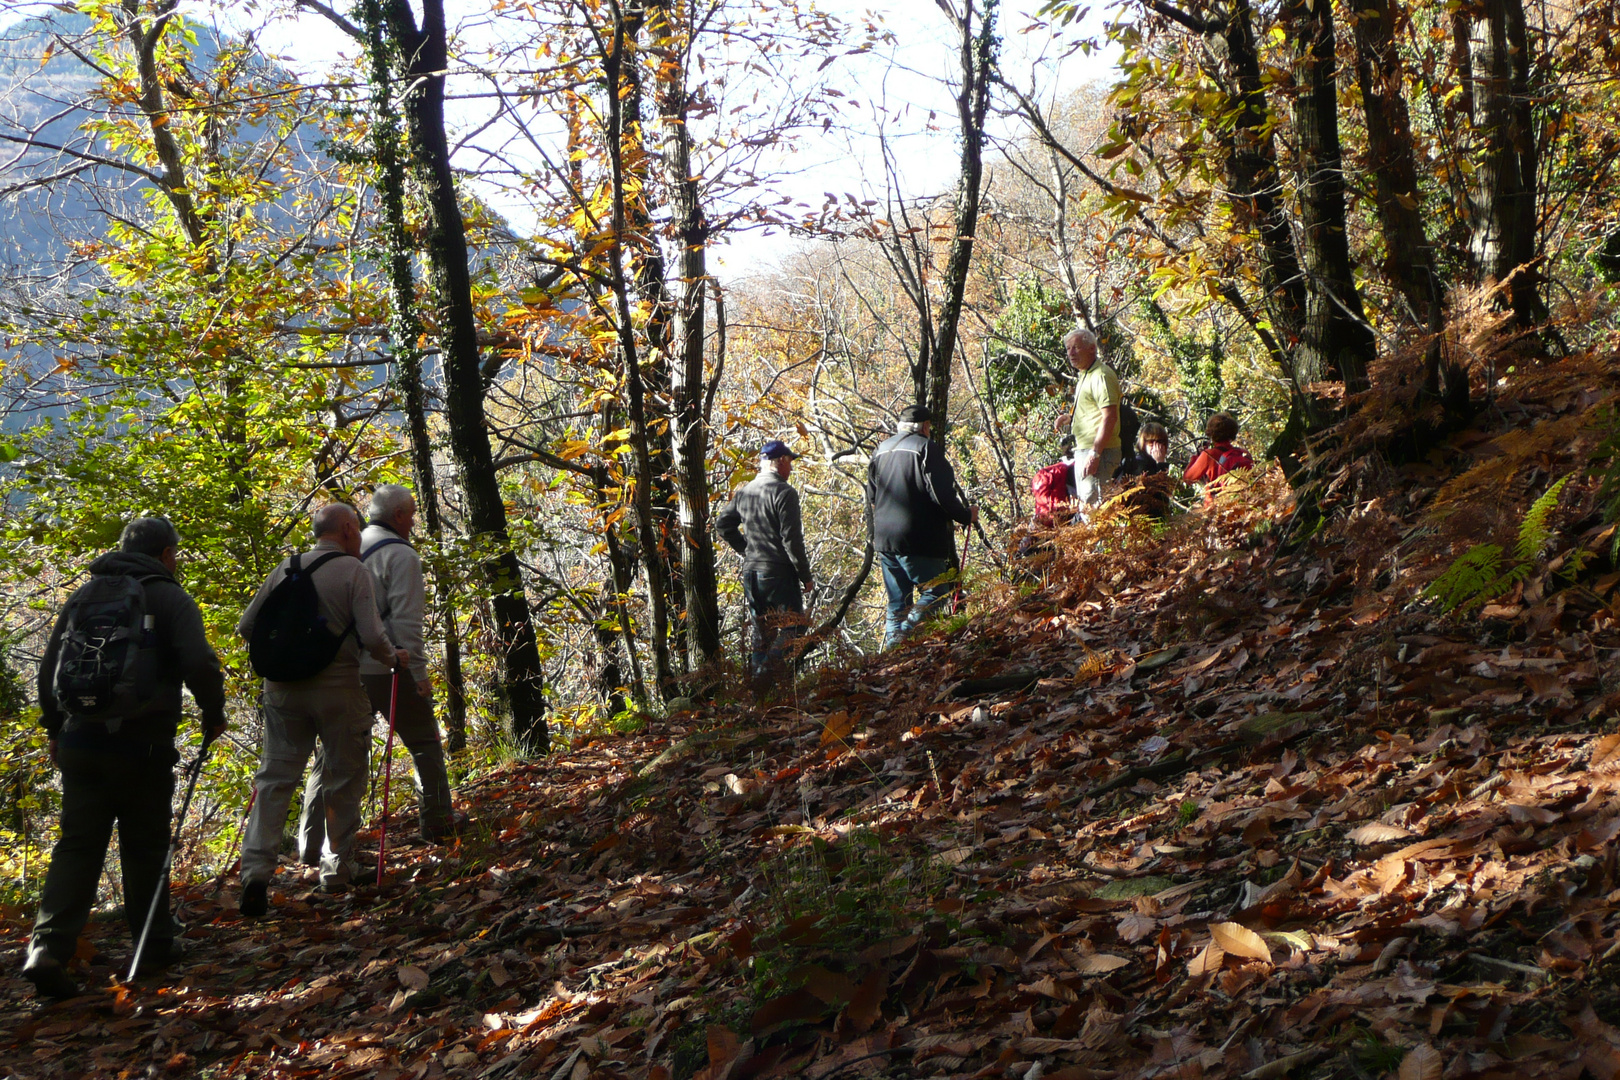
(1094, 420)
(401, 593)
(329, 705)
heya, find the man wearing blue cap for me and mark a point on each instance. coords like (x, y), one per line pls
(763, 525)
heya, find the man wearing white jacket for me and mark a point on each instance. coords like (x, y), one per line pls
(401, 596)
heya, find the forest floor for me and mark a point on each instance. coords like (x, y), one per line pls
(1200, 808)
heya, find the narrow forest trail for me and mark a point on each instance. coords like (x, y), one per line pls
(1215, 811)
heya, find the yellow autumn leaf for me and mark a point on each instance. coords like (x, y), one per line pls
(1239, 940)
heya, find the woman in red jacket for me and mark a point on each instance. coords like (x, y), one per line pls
(1219, 457)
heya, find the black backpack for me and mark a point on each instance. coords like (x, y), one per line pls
(106, 662)
(291, 641)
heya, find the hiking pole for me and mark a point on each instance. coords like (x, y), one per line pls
(956, 597)
(388, 774)
(168, 860)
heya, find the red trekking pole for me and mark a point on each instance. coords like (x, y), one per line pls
(956, 598)
(388, 774)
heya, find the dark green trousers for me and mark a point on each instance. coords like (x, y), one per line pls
(101, 790)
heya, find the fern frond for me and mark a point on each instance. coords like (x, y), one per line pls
(1534, 533)
(1471, 580)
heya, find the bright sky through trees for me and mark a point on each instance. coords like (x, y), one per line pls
(902, 86)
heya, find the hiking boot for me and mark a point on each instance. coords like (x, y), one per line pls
(448, 829)
(50, 979)
(255, 899)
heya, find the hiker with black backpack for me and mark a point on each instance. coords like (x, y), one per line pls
(401, 591)
(109, 697)
(306, 628)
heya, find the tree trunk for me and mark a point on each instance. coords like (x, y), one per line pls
(425, 59)
(621, 144)
(1409, 258)
(1504, 226)
(1337, 340)
(404, 331)
(977, 56)
(689, 426)
(1256, 187)
(1408, 252)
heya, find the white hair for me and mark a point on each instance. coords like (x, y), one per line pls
(1082, 335)
(328, 520)
(908, 427)
(388, 500)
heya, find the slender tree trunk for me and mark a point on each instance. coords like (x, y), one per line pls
(621, 144)
(424, 54)
(405, 331)
(1504, 234)
(977, 57)
(1337, 339)
(1256, 187)
(689, 424)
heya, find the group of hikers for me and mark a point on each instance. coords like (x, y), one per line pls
(915, 505)
(335, 632)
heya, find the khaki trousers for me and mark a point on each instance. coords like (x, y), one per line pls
(294, 721)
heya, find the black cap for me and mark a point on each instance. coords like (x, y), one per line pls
(915, 414)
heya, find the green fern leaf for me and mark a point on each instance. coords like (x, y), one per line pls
(1471, 580)
(1534, 532)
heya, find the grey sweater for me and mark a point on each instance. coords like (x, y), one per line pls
(401, 595)
(762, 524)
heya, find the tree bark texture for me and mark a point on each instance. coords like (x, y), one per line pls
(1504, 225)
(1409, 257)
(405, 331)
(689, 429)
(1337, 339)
(1256, 195)
(424, 58)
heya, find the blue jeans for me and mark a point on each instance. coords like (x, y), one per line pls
(905, 574)
(775, 610)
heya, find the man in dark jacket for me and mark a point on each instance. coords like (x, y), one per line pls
(119, 769)
(911, 489)
(762, 523)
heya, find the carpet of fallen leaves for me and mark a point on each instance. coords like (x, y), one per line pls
(1206, 809)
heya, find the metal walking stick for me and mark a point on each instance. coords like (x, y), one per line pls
(158, 891)
(388, 774)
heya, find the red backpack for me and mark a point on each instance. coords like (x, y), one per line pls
(1050, 486)
(1233, 457)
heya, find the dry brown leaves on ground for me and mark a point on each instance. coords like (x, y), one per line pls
(1213, 811)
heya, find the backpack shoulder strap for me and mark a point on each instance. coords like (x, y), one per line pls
(387, 541)
(318, 563)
